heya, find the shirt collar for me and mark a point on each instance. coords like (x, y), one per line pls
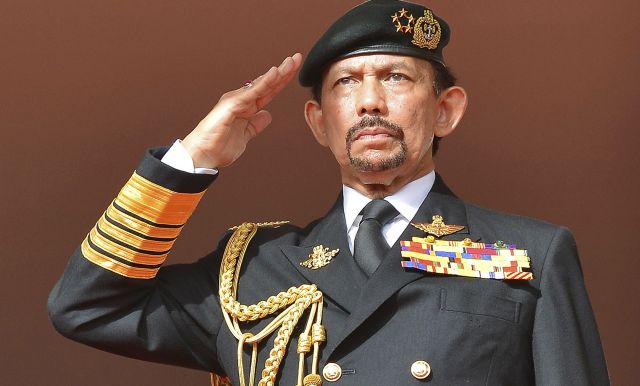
(407, 200)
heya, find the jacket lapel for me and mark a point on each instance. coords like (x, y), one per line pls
(390, 276)
(341, 279)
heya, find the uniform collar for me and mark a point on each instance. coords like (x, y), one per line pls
(407, 200)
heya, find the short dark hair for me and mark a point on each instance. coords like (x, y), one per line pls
(443, 79)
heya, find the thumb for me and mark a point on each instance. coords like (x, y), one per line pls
(258, 122)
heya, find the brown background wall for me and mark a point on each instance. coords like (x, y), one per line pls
(86, 86)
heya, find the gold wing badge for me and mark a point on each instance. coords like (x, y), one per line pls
(438, 228)
(319, 257)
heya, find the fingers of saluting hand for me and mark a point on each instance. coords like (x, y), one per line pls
(221, 137)
(262, 90)
(269, 84)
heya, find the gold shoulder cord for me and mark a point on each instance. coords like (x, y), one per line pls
(293, 303)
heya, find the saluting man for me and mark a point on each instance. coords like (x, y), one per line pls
(401, 283)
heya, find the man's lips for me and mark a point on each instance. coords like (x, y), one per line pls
(373, 133)
(374, 130)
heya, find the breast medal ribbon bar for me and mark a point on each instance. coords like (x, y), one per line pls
(466, 258)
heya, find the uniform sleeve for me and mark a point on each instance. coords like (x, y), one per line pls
(115, 293)
(566, 343)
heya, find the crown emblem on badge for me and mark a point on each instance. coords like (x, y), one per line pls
(426, 29)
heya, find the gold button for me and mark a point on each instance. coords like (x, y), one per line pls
(420, 369)
(332, 372)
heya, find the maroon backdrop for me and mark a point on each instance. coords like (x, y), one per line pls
(86, 86)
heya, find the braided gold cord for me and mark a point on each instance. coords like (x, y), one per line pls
(294, 302)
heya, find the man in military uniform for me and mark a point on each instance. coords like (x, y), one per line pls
(401, 283)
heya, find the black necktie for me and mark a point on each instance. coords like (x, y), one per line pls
(369, 246)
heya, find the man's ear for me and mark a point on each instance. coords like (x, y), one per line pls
(452, 104)
(313, 115)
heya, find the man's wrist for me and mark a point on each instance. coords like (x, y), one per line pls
(179, 158)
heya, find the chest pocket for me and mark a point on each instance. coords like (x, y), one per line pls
(482, 304)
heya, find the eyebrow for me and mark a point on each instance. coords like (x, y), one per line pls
(396, 65)
(400, 66)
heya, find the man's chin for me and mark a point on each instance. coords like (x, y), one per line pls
(377, 160)
(363, 165)
(377, 174)
(373, 169)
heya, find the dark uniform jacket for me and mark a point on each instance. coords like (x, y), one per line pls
(470, 331)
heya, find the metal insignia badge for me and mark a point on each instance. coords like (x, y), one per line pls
(319, 257)
(427, 31)
(438, 228)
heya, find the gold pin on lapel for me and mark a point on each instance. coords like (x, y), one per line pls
(438, 228)
(319, 257)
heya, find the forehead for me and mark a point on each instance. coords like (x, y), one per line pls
(379, 62)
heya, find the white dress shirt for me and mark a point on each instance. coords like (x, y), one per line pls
(406, 201)
(179, 158)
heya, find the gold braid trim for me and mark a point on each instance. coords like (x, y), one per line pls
(136, 233)
(293, 303)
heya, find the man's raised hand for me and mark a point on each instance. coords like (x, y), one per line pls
(222, 136)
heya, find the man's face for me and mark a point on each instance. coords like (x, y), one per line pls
(378, 116)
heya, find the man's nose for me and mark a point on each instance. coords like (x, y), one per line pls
(371, 98)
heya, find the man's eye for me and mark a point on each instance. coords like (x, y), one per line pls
(396, 77)
(344, 81)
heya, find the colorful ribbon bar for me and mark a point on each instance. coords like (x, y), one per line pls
(466, 258)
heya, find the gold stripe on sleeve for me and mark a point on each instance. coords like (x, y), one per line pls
(123, 252)
(133, 240)
(143, 211)
(140, 226)
(156, 203)
(115, 266)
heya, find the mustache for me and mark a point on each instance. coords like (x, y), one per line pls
(374, 121)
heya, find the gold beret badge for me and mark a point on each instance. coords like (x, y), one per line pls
(426, 29)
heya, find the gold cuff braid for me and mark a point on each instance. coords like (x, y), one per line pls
(293, 303)
(137, 231)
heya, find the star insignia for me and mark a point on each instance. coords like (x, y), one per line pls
(397, 18)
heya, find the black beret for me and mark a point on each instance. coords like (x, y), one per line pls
(378, 26)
